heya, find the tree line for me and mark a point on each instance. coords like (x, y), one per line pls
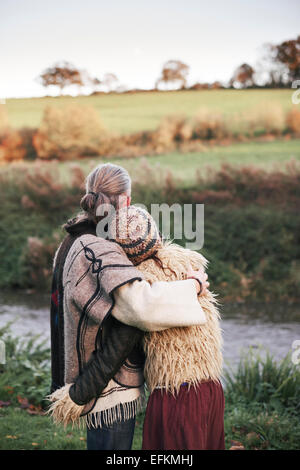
(279, 67)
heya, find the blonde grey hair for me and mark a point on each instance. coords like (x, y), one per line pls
(104, 185)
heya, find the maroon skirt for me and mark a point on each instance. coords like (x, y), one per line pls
(193, 419)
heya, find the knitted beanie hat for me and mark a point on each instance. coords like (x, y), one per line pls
(136, 232)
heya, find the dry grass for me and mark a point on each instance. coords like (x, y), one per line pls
(208, 125)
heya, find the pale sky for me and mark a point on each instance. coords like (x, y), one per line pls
(134, 38)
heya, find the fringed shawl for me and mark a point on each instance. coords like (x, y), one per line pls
(87, 270)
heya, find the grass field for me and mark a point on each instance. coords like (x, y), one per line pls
(184, 166)
(250, 425)
(267, 155)
(262, 214)
(126, 113)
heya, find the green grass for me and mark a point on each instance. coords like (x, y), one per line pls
(267, 155)
(19, 430)
(252, 426)
(261, 403)
(260, 222)
(126, 113)
(184, 166)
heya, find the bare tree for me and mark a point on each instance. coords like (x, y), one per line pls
(174, 73)
(110, 81)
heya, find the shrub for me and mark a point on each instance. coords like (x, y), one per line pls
(12, 147)
(43, 186)
(37, 260)
(26, 373)
(293, 120)
(27, 135)
(266, 118)
(16, 145)
(70, 132)
(253, 185)
(264, 380)
(34, 203)
(251, 223)
(208, 124)
(171, 130)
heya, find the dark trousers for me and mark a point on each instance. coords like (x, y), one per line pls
(193, 419)
(117, 436)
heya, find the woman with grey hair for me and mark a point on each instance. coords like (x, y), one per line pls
(93, 353)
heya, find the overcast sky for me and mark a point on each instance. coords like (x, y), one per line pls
(133, 38)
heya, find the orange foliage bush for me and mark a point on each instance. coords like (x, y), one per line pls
(76, 131)
(12, 147)
(293, 120)
(70, 132)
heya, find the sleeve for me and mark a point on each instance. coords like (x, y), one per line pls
(158, 306)
(105, 363)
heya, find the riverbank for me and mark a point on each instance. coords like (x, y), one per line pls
(251, 223)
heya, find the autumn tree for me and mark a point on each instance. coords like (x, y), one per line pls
(174, 73)
(288, 54)
(243, 76)
(269, 72)
(61, 74)
(279, 65)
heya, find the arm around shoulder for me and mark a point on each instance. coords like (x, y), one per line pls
(158, 306)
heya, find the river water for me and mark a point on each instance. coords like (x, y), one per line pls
(270, 327)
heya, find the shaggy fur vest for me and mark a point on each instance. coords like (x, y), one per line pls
(187, 354)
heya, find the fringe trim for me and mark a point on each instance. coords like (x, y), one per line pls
(62, 409)
(113, 415)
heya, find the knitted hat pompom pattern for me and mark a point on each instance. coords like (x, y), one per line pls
(135, 230)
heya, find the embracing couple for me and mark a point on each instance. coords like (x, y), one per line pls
(129, 309)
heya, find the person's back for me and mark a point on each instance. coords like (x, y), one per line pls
(185, 409)
(189, 354)
(92, 280)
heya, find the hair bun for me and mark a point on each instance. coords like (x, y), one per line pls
(88, 202)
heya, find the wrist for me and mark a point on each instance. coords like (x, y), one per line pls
(199, 285)
(72, 395)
